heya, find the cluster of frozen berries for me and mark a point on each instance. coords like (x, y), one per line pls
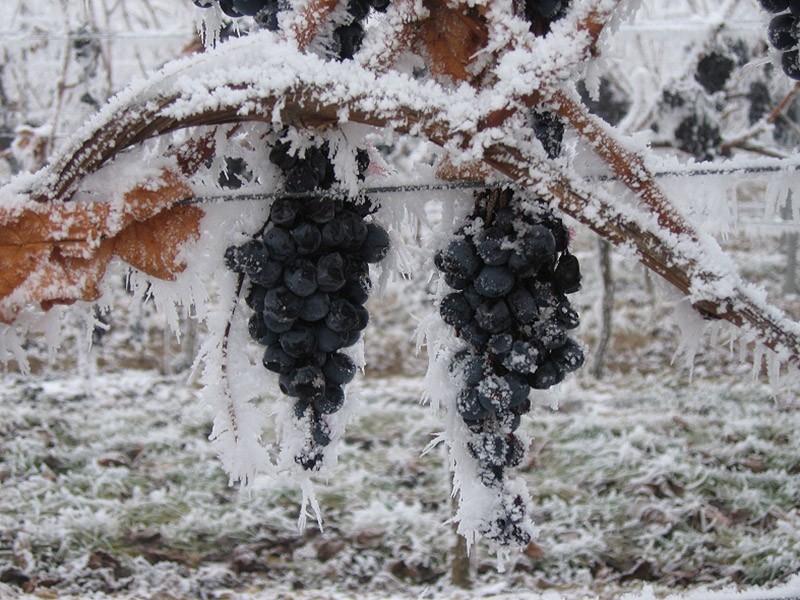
(784, 33)
(511, 275)
(308, 273)
(346, 38)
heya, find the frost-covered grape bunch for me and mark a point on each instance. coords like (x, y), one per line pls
(308, 273)
(511, 273)
(347, 36)
(784, 34)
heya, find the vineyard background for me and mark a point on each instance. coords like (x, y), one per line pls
(679, 477)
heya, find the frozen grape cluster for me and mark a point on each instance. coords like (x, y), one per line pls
(510, 274)
(308, 274)
(783, 33)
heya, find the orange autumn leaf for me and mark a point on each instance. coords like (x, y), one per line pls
(452, 36)
(153, 246)
(57, 253)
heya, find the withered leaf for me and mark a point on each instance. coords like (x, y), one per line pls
(57, 253)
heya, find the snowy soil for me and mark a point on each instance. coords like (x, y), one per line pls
(116, 491)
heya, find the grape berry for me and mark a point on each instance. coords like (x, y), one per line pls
(783, 33)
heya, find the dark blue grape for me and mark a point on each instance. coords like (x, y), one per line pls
(276, 326)
(348, 40)
(277, 360)
(228, 8)
(455, 310)
(567, 316)
(468, 405)
(282, 305)
(259, 332)
(315, 307)
(320, 210)
(549, 130)
(330, 272)
(523, 358)
(782, 32)
(494, 282)
(473, 298)
(356, 231)
(308, 382)
(493, 316)
(329, 340)
(302, 178)
(551, 334)
(504, 220)
(567, 276)
(334, 233)
(456, 282)
(376, 244)
(281, 156)
(790, 63)
(532, 251)
(255, 297)
(774, 6)
(269, 274)
(469, 366)
(339, 369)
(490, 247)
(363, 317)
(284, 211)
(280, 244)
(488, 449)
(352, 338)
(494, 393)
(332, 401)
(246, 258)
(569, 356)
(380, 5)
(522, 305)
(357, 290)
(267, 17)
(286, 384)
(299, 342)
(547, 375)
(473, 335)
(500, 345)
(342, 317)
(358, 9)
(301, 277)
(458, 258)
(518, 389)
(308, 238)
(515, 451)
(249, 7)
(355, 268)
(320, 433)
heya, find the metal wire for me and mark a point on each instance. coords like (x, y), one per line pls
(700, 170)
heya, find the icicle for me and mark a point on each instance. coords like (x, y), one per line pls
(309, 499)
